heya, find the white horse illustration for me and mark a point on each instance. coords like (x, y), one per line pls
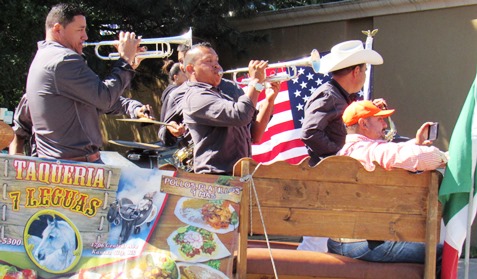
(55, 251)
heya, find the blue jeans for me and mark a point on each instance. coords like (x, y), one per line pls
(387, 251)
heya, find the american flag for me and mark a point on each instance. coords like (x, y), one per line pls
(281, 140)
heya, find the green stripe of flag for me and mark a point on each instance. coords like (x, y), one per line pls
(459, 173)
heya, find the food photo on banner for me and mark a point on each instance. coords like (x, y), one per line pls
(64, 219)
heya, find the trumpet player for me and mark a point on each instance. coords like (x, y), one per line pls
(222, 128)
(66, 97)
(176, 132)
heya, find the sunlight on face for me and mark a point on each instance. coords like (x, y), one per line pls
(376, 127)
(207, 68)
(74, 34)
(362, 74)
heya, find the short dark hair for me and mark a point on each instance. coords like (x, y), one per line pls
(344, 71)
(63, 14)
(189, 59)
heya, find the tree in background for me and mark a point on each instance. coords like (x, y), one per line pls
(22, 25)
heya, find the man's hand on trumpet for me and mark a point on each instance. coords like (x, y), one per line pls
(128, 47)
(137, 59)
(272, 89)
(256, 70)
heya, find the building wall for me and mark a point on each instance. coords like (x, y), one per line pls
(429, 50)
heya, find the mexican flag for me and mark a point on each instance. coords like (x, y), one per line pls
(458, 183)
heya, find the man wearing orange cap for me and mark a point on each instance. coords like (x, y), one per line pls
(322, 131)
(365, 125)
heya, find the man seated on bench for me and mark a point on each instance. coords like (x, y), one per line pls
(365, 127)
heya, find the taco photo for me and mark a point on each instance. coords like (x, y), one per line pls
(217, 216)
(193, 244)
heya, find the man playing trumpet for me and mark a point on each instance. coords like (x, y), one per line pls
(221, 127)
(66, 98)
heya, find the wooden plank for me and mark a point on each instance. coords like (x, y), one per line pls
(268, 276)
(370, 225)
(335, 169)
(244, 224)
(63, 173)
(340, 196)
(88, 238)
(19, 218)
(432, 226)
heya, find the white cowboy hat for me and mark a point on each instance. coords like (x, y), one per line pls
(347, 54)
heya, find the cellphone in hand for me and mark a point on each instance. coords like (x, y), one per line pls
(433, 131)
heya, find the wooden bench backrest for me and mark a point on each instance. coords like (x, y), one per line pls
(339, 198)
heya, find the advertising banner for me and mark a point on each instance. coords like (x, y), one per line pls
(62, 219)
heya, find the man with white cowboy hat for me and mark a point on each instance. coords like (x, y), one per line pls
(323, 131)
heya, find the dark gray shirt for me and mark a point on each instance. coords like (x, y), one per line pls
(323, 131)
(172, 108)
(21, 119)
(219, 126)
(66, 99)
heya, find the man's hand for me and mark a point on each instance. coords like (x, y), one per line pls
(145, 112)
(175, 129)
(137, 59)
(380, 103)
(272, 91)
(256, 70)
(421, 134)
(128, 46)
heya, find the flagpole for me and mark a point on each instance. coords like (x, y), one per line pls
(368, 45)
(469, 231)
(367, 91)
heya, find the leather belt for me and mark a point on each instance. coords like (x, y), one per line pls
(87, 158)
(347, 240)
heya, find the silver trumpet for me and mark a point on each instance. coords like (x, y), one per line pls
(162, 48)
(313, 60)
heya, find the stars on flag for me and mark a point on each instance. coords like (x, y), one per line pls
(300, 90)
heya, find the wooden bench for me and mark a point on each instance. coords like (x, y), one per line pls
(336, 198)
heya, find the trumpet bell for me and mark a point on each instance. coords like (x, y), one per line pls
(162, 46)
(311, 61)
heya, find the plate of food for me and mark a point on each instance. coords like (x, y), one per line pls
(194, 244)
(149, 265)
(199, 271)
(217, 216)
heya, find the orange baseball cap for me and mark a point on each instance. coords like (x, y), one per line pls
(363, 109)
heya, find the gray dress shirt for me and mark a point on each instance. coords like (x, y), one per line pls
(66, 99)
(219, 126)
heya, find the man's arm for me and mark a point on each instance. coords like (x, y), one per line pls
(17, 146)
(413, 155)
(132, 108)
(408, 156)
(319, 112)
(265, 112)
(22, 127)
(208, 108)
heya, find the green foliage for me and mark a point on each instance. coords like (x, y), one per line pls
(19, 21)
(22, 25)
